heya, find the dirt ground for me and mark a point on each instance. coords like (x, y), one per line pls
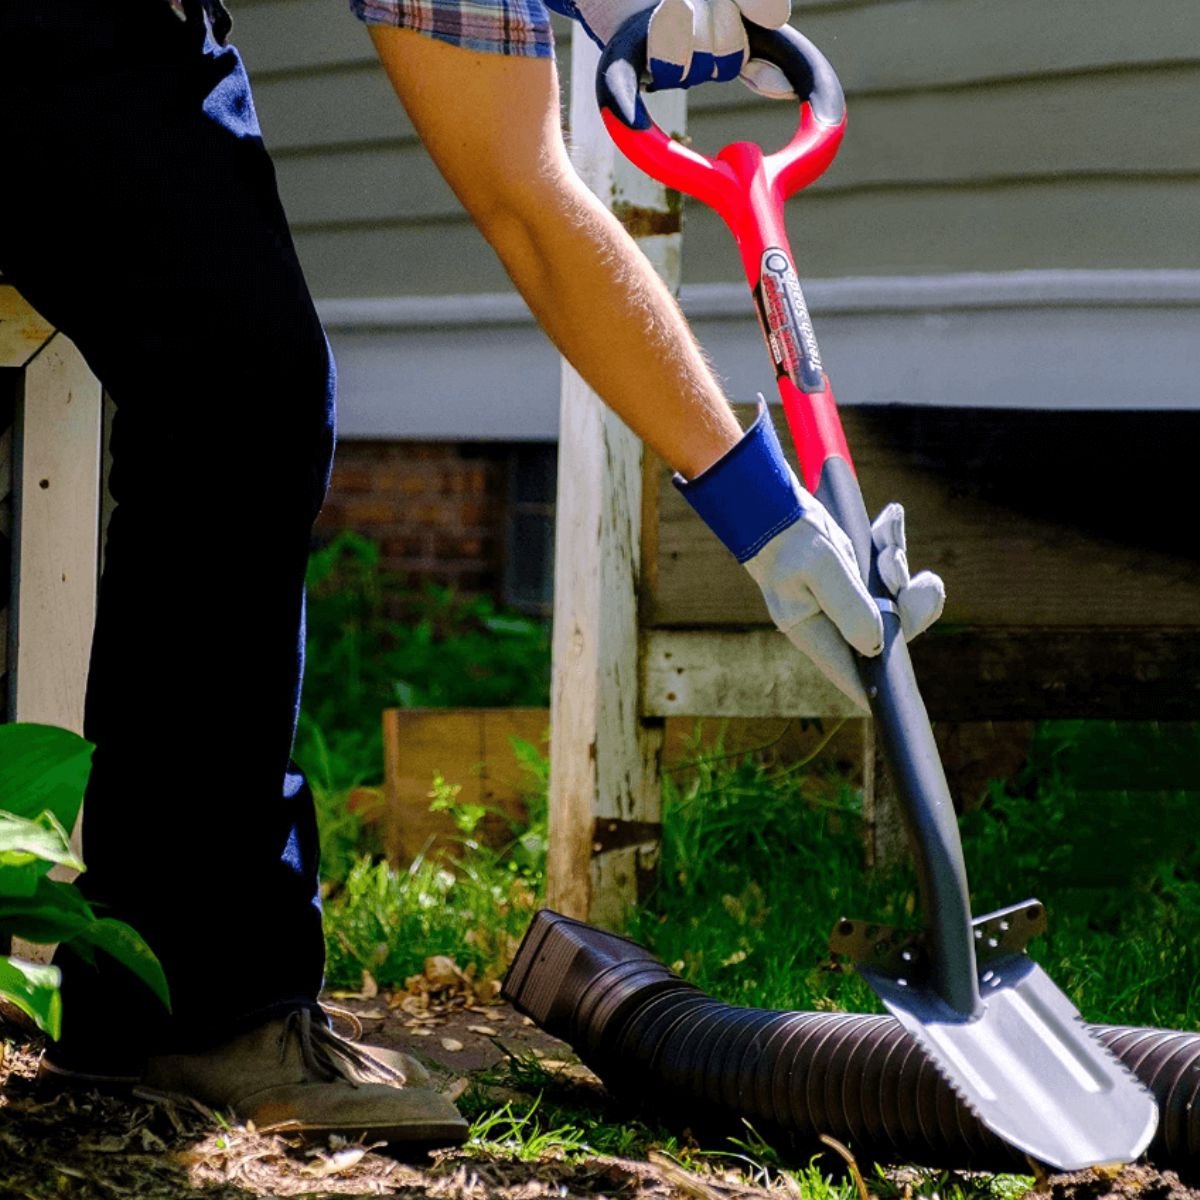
(88, 1145)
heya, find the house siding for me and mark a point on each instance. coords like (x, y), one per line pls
(982, 136)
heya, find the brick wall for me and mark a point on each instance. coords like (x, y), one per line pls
(437, 509)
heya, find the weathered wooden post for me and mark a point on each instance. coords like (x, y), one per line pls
(56, 486)
(50, 500)
(604, 799)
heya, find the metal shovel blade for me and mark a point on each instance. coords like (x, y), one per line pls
(1026, 1064)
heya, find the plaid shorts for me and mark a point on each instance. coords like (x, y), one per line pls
(520, 27)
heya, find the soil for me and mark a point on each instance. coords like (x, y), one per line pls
(85, 1145)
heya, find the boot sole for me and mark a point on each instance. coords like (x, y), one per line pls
(52, 1080)
(416, 1137)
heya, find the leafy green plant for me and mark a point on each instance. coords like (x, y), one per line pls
(43, 773)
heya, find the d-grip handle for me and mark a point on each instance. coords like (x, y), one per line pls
(619, 77)
(724, 181)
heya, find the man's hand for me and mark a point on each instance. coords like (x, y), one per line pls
(804, 562)
(691, 41)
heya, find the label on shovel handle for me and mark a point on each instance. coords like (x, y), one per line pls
(786, 325)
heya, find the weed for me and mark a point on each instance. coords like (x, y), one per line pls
(511, 1134)
(1116, 865)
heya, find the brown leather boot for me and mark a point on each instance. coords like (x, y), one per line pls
(294, 1074)
(119, 1074)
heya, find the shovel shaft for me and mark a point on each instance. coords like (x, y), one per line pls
(889, 681)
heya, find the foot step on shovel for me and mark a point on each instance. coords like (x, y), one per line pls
(1004, 1036)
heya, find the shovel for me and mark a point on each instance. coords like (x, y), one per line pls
(1004, 1036)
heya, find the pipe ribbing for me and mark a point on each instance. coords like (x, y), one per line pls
(661, 1043)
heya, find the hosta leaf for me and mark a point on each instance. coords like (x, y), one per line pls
(33, 988)
(53, 912)
(22, 839)
(127, 947)
(43, 767)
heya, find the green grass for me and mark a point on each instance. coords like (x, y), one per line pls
(549, 1115)
(758, 864)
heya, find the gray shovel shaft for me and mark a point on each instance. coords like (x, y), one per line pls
(907, 737)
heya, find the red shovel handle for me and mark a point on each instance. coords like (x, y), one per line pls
(748, 188)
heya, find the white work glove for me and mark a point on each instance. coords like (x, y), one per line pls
(691, 41)
(804, 562)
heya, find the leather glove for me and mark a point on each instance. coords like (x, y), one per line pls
(802, 559)
(691, 41)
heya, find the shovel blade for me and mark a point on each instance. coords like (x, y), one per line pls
(1028, 1066)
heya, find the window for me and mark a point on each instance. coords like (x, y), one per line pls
(529, 530)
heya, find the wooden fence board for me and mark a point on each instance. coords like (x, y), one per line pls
(1012, 674)
(470, 749)
(58, 495)
(1022, 536)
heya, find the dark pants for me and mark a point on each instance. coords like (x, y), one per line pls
(139, 214)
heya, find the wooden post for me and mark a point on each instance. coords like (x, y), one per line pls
(604, 787)
(55, 445)
(57, 488)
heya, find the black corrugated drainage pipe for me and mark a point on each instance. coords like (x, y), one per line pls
(662, 1044)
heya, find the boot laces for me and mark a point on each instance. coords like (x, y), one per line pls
(328, 1056)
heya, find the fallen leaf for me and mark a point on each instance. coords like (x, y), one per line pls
(449, 1043)
(456, 1088)
(486, 1030)
(442, 972)
(334, 1164)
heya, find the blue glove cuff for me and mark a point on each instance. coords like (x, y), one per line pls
(749, 494)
